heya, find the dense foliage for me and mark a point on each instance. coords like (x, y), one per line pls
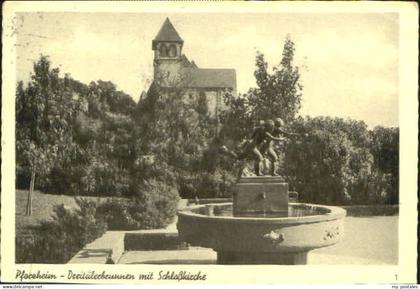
(85, 140)
(58, 240)
(278, 94)
(153, 207)
(338, 162)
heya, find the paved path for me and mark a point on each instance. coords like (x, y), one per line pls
(368, 238)
(191, 256)
(110, 247)
(208, 256)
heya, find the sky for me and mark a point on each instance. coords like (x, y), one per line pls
(348, 62)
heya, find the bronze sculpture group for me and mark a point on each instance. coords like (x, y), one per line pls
(261, 143)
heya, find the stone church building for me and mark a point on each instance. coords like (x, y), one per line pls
(173, 69)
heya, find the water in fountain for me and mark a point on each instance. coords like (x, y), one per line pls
(293, 211)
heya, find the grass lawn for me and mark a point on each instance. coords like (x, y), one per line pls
(42, 207)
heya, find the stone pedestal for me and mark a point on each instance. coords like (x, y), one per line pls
(261, 195)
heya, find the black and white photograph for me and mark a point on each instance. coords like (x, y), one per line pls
(180, 139)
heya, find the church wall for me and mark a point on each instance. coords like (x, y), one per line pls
(167, 72)
(211, 97)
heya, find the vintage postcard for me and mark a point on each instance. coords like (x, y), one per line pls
(209, 142)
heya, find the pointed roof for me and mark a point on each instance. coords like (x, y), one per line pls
(167, 33)
(186, 63)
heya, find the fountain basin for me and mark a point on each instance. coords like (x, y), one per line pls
(261, 238)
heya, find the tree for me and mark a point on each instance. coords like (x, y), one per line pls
(317, 166)
(174, 126)
(236, 121)
(179, 132)
(341, 161)
(103, 97)
(278, 93)
(45, 112)
(385, 149)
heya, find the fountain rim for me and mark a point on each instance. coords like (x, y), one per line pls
(333, 214)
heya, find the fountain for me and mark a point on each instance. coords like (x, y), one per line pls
(261, 226)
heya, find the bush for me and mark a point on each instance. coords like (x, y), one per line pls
(25, 248)
(154, 206)
(340, 163)
(207, 185)
(56, 241)
(115, 212)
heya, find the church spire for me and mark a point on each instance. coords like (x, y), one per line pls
(167, 33)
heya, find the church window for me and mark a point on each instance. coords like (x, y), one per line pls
(172, 50)
(163, 51)
(202, 105)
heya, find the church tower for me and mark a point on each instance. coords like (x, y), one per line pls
(167, 47)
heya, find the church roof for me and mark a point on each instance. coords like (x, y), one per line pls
(211, 78)
(187, 63)
(167, 33)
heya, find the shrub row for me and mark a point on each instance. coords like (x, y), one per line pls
(57, 240)
(155, 207)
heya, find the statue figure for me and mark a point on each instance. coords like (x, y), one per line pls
(268, 146)
(261, 143)
(252, 148)
(256, 146)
